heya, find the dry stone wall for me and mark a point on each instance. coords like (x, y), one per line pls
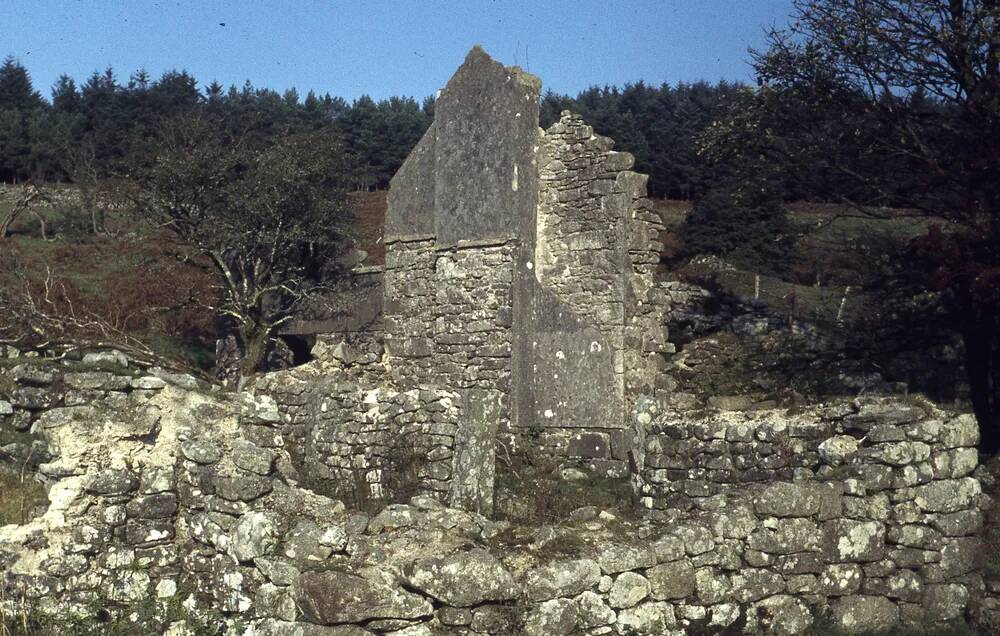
(871, 504)
(176, 508)
(596, 329)
(366, 443)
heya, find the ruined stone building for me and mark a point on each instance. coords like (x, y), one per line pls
(517, 308)
(519, 272)
(519, 263)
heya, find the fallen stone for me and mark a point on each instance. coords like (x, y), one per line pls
(255, 536)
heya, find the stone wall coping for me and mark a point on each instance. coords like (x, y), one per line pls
(407, 238)
(363, 270)
(477, 243)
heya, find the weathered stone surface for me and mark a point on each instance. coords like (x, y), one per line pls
(112, 482)
(752, 584)
(673, 580)
(786, 536)
(561, 578)
(110, 358)
(961, 431)
(30, 375)
(332, 596)
(656, 617)
(957, 524)
(556, 617)
(303, 544)
(947, 495)
(592, 611)
(156, 506)
(785, 499)
(945, 602)
(201, 451)
(255, 536)
(899, 453)
(846, 540)
(860, 614)
(840, 579)
(838, 449)
(242, 488)
(779, 614)
(91, 380)
(253, 458)
(474, 463)
(617, 557)
(149, 382)
(462, 579)
(628, 589)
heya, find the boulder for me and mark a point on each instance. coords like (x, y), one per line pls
(333, 596)
(462, 579)
(561, 578)
(863, 614)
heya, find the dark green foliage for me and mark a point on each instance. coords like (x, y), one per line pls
(101, 127)
(748, 228)
(16, 89)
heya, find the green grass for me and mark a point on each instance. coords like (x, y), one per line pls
(19, 498)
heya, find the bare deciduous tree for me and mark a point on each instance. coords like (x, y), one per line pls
(269, 216)
(28, 197)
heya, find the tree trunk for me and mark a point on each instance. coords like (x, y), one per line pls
(979, 338)
(5, 224)
(255, 339)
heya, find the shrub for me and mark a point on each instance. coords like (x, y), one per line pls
(748, 228)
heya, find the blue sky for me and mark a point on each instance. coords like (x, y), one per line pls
(382, 48)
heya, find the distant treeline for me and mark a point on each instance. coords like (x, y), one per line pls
(659, 125)
(97, 125)
(96, 129)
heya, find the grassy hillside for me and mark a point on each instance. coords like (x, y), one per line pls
(130, 279)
